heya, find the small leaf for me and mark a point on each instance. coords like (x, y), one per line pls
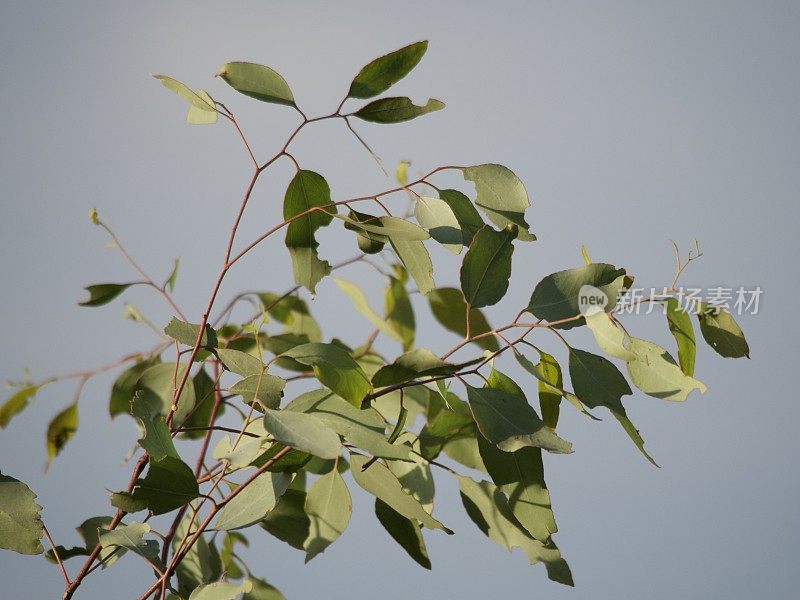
(328, 507)
(335, 369)
(438, 218)
(404, 531)
(241, 363)
(469, 219)
(60, 430)
(609, 336)
(399, 312)
(173, 276)
(200, 116)
(187, 333)
(308, 191)
(450, 310)
(103, 293)
(487, 266)
(657, 374)
(396, 110)
(265, 388)
(509, 422)
(16, 403)
(417, 261)
(254, 502)
(361, 304)
(303, 432)
(722, 333)
(221, 590)
(379, 481)
(126, 502)
(21, 525)
(502, 197)
(157, 440)
(125, 385)
(380, 74)
(257, 81)
(200, 101)
(556, 297)
(680, 326)
(169, 484)
(131, 537)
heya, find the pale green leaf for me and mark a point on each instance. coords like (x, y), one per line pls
(360, 303)
(610, 338)
(21, 525)
(241, 363)
(680, 326)
(265, 388)
(200, 101)
(501, 195)
(160, 380)
(16, 403)
(384, 228)
(303, 432)
(257, 81)
(187, 334)
(438, 218)
(308, 268)
(417, 261)
(328, 507)
(657, 374)
(156, 439)
(469, 220)
(200, 116)
(131, 537)
(262, 591)
(221, 590)
(721, 331)
(399, 312)
(254, 502)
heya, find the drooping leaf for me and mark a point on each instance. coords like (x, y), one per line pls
(328, 507)
(265, 388)
(198, 116)
(16, 403)
(307, 192)
(169, 284)
(399, 312)
(238, 455)
(450, 310)
(103, 293)
(60, 430)
(396, 110)
(169, 484)
(414, 475)
(656, 373)
(254, 502)
(156, 440)
(288, 521)
(197, 100)
(417, 261)
(438, 218)
(379, 481)
(469, 220)
(509, 422)
(335, 369)
(257, 81)
(187, 333)
(126, 502)
(383, 72)
(680, 326)
(360, 303)
(131, 537)
(486, 269)
(308, 268)
(598, 382)
(520, 475)
(721, 331)
(221, 590)
(21, 525)
(609, 337)
(502, 197)
(403, 531)
(303, 432)
(556, 297)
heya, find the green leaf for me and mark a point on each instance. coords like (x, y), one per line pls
(722, 333)
(415, 364)
(308, 268)
(198, 100)
(159, 380)
(328, 506)
(239, 456)
(360, 303)
(417, 261)
(383, 229)
(126, 502)
(265, 388)
(487, 266)
(103, 293)
(556, 297)
(21, 525)
(16, 403)
(415, 475)
(382, 73)
(656, 373)
(501, 195)
(241, 363)
(293, 313)
(303, 432)
(308, 191)
(488, 508)
(610, 338)
(205, 400)
(469, 220)
(399, 312)
(396, 110)
(335, 369)
(379, 481)
(221, 590)
(169, 484)
(598, 382)
(157, 440)
(60, 430)
(438, 218)
(520, 475)
(509, 422)
(173, 276)
(254, 502)
(199, 116)
(131, 537)
(288, 521)
(187, 334)
(125, 385)
(257, 81)
(262, 591)
(680, 326)
(450, 310)
(404, 531)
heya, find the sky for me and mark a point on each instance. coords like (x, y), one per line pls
(631, 123)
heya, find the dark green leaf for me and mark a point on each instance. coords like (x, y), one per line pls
(550, 402)
(487, 266)
(125, 385)
(21, 525)
(396, 110)
(399, 312)
(257, 81)
(501, 196)
(417, 363)
(159, 380)
(131, 537)
(335, 369)
(438, 218)
(308, 195)
(450, 309)
(156, 441)
(722, 333)
(262, 591)
(266, 388)
(404, 531)
(103, 293)
(469, 219)
(288, 521)
(127, 502)
(60, 430)
(308, 268)
(169, 484)
(380, 74)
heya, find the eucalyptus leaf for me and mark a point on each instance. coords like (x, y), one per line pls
(486, 269)
(502, 197)
(680, 326)
(438, 218)
(396, 110)
(328, 507)
(721, 331)
(103, 293)
(16, 403)
(450, 309)
(383, 72)
(469, 220)
(303, 432)
(221, 590)
(404, 531)
(156, 439)
(257, 81)
(169, 484)
(656, 373)
(254, 502)
(417, 261)
(21, 525)
(400, 313)
(188, 333)
(610, 338)
(335, 369)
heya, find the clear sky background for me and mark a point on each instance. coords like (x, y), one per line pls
(632, 123)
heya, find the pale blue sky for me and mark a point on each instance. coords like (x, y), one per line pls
(632, 123)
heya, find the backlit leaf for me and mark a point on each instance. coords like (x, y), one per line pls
(469, 220)
(399, 312)
(257, 81)
(501, 196)
(404, 531)
(657, 374)
(417, 261)
(722, 333)
(438, 218)
(60, 430)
